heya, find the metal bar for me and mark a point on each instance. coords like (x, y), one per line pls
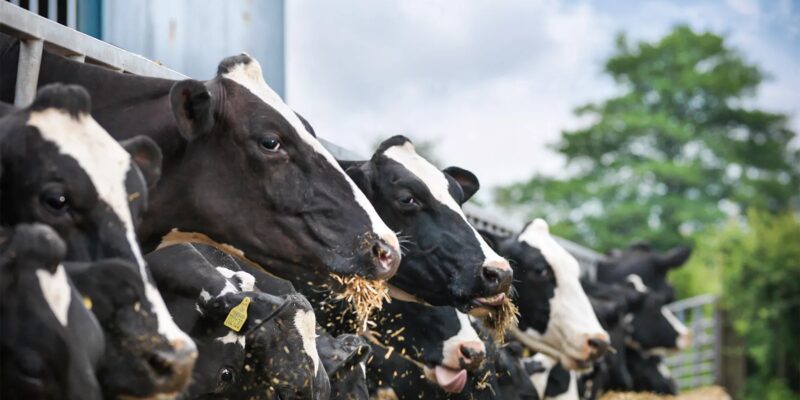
(33, 6)
(52, 10)
(30, 58)
(22, 23)
(72, 14)
(692, 302)
(15, 2)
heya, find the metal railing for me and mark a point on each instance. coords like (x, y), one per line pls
(693, 367)
(699, 364)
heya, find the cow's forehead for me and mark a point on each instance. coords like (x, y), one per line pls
(537, 235)
(305, 322)
(406, 155)
(248, 74)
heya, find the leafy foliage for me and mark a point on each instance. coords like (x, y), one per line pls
(673, 154)
(756, 268)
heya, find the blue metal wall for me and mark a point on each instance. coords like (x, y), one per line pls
(191, 37)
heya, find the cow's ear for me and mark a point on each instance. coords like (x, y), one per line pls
(193, 108)
(467, 180)
(675, 257)
(147, 156)
(361, 173)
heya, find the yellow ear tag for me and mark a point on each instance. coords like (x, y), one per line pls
(87, 302)
(238, 315)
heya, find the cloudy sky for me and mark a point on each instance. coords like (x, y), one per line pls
(494, 82)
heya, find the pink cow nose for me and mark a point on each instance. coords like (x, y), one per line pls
(471, 354)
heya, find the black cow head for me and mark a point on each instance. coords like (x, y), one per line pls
(60, 168)
(650, 374)
(655, 329)
(441, 249)
(344, 358)
(50, 345)
(642, 260)
(553, 306)
(138, 361)
(254, 175)
(441, 338)
(273, 352)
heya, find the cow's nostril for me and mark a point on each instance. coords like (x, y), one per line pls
(161, 362)
(472, 354)
(496, 280)
(386, 260)
(598, 347)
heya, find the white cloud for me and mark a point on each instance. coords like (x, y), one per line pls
(494, 82)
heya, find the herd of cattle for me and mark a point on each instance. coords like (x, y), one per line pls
(192, 239)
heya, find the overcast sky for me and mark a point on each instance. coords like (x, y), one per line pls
(494, 82)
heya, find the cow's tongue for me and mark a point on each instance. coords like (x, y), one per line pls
(451, 380)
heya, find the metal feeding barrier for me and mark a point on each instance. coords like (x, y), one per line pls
(693, 367)
(700, 364)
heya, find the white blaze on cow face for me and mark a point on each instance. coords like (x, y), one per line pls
(106, 164)
(232, 337)
(249, 75)
(306, 324)
(56, 291)
(439, 187)
(637, 283)
(451, 347)
(572, 320)
(684, 337)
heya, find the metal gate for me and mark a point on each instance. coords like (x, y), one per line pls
(694, 367)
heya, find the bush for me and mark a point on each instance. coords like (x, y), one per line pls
(755, 267)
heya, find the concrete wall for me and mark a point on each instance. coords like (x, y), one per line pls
(191, 37)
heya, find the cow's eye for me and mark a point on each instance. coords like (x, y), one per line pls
(55, 200)
(226, 375)
(541, 271)
(408, 200)
(270, 144)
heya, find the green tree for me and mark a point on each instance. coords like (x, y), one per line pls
(755, 267)
(674, 153)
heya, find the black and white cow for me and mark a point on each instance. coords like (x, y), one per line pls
(553, 306)
(239, 166)
(442, 339)
(643, 261)
(650, 373)
(50, 344)
(60, 168)
(274, 353)
(445, 260)
(345, 358)
(656, 329)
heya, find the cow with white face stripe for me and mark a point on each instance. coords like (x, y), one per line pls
(553, 307)
(239, 166)
(441, 339)
(59, 167)
(650, 266)
(273, 354)
(50, 344)
(445, 260)
(655, 329)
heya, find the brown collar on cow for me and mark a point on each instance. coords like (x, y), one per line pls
(179, 237)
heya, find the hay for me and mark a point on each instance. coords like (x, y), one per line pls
(706, 393)
(501, 319)
(363, 296)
